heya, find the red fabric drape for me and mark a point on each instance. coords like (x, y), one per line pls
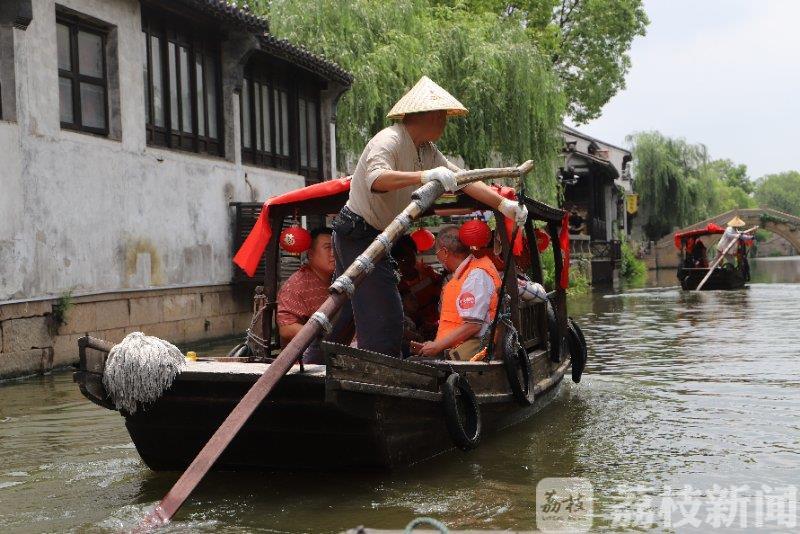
(252, 249)
(563, 241)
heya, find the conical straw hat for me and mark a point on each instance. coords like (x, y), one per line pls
(427, 95)
(736, 222)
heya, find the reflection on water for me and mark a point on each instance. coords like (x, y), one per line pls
(681, 388)
(781, 269)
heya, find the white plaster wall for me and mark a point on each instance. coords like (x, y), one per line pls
(88, 214)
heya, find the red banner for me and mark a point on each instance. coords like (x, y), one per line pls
(563, 241)
(252, 249)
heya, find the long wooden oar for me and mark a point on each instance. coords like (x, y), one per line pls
(718, 260)
(341, 290)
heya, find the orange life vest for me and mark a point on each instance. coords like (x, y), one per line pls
(449, 319)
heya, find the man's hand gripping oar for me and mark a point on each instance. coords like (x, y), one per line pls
(341, 290)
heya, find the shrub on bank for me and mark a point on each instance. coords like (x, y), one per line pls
(578, 280)
(631, 269)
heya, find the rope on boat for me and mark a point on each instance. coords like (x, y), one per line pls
(259, 343)
(139, 369)
(504, 318)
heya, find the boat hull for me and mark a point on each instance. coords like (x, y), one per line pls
(361, 411)
(719, 279)
(288, 433)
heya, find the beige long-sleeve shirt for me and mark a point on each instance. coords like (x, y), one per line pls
(392, 149)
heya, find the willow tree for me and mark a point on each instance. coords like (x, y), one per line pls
(679, 184)
(587, 41)
(487, 62)
(666, 173)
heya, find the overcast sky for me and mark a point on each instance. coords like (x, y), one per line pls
(725, 73)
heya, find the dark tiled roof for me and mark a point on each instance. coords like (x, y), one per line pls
(578, 133)
(302, 56)
(245, 19)
(221, 9)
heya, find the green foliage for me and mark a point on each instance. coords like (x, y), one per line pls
(680, 185)
(587, 41)
(578, 281)
(768, 217)
(631, 269)
(665, 173)
(548, 269)
(58, 315)
(762, 235)
(487, 62)
(733, 175)
(779, 191)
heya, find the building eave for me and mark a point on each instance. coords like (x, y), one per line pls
(606, 166)
(230, 14)
(301, 56)
(577, 133)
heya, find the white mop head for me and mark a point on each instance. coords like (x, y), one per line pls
(139, 369)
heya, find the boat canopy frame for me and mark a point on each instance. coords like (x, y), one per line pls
(322, 206)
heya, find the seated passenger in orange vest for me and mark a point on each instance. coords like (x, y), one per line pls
(469, 299)
(305, 291)
(420, 287)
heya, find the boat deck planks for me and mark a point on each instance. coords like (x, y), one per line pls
(240, 371)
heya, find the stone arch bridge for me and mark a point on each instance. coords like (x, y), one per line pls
(663, 254)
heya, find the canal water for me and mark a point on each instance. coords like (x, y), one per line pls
(688, 418)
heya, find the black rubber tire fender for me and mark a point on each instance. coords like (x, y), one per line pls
(553, 339)
(242, 350)
(577, 349)
(518, 369)
(462, 414)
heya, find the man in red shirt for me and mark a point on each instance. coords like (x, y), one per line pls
(305, 291)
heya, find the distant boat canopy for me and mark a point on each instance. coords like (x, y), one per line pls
(694, 234)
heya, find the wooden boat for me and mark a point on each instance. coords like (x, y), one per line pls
(694, 262)
(361, 409)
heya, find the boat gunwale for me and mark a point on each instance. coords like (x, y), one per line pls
(211, 371)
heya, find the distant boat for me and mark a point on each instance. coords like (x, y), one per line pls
(362, 409)
(694, 267)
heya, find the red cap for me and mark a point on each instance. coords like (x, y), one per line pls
(475, 233)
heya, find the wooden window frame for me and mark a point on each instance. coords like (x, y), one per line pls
(296, 85)
(196, 41)
(312, 170)
(76, 78)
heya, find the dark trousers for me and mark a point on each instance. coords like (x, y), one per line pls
(375, 307)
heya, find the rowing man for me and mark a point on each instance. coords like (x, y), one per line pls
(397, 161)
(732, 234)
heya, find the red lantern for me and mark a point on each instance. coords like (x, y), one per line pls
(475, 234)
(295, 240)
(542, 240)
(423, 239)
